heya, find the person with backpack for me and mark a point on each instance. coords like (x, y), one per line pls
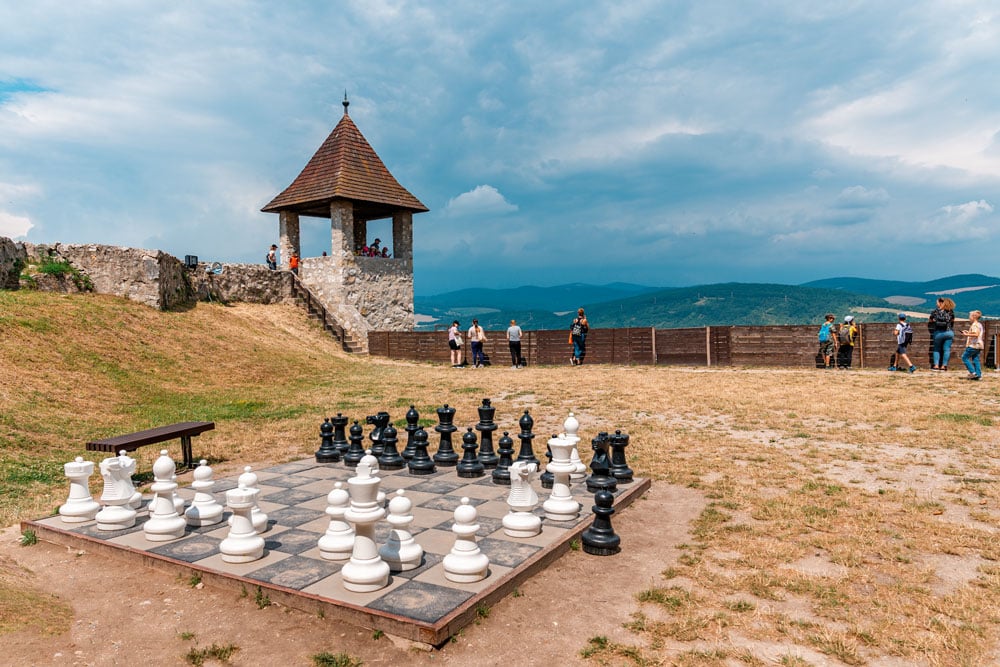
(455, 345)
(827, 341)
(476, 339)
(578, 336)
(846, 336)
(271, 259)
(942, 322)
(973, 346)
(904, 336)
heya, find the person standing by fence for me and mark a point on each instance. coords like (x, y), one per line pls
(847, 335)
(973, 346)
(827, 341)
(578, 336)
(943, 320)
(514, 334)
(455, 345)
(476, 339)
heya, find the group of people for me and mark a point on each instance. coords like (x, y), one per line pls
(477, 336)
(373, 250)
(836, 342)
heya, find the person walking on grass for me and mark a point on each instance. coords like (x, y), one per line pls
(942, 322)
(827, 341)
(476, 339)
(973, 346)
(578, 336)
(455, 345)
(514, 334)
(904, 336)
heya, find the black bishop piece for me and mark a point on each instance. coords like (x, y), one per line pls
(355, 451)
(486, 426)
(619, 467)
(600, 464)
(600, 539)
(412, 426)
(327, 452)
(526, 436)
(470, 465)
(421, 463)
(390, 458)
(501, 475)
(445, 455)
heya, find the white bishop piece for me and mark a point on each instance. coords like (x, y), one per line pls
(520, 521)
(243, 544)
(164, 522)
(401, 551)
(366, 571)
(338, 541)
(571, 427)
(205, 509)
(118, 491)
(466, 563)
(80, 506)
(560, 506)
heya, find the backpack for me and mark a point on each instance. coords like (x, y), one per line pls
(824, 332)
(846, 335)
(906, 335)
(577, 328)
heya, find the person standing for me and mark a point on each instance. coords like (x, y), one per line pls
(827, 341)
(514, 334)
(476, 339)
(973, 346)
(847, 336)
(455, 344)
(578, 336)
(293, 263)
(272, 258)
(904, 336)
(943, 321)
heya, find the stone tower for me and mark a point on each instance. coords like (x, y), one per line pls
(346, 182)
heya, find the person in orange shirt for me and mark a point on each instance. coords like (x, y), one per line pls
(293, 263)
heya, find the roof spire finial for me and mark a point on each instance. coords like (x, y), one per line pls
(345, 102)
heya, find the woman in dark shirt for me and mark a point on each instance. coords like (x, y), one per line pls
(942, 322)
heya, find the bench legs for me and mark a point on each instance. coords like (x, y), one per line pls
(186, 451)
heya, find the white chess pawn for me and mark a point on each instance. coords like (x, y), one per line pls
(560, 506)
(204, 510)
(401, 551)
(164, 522)
(466, 563)
(80, 506)
(128, 465)
(520, 521)
(249, 480)
(366, 571)
(176, 497)
(338, 541)
(243, 544)
(571, 427)
(118, 490)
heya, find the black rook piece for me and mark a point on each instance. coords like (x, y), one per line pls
(619, 468)
(601, 465)
(470, 465)
(390, 458)
(548, 479)
(380, 421)
(339, 432)
(421, 463)
(486, 426)
(412, 426)
(446, 455)
(600, 538)
(355, 452)
(506, 449)
(526, 436)
(327, 452)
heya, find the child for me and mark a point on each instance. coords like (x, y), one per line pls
(973, 346)
(827, 341)
(904, 336)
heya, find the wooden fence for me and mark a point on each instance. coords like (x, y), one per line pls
(786, 346)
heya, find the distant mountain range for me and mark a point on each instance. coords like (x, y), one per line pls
(628, 305)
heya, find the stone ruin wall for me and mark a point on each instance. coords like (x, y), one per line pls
(12, 259)
(251, 283)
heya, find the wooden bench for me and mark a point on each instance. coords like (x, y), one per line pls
(133, 441)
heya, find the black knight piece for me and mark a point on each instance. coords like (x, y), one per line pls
(619, 467)
(390, 458)
(501, 475)
(600, 539)
(380, 420)
(412, 426)
(445, 455)
(526, 436)
(327, 452)
(600, 464)
(421, 463)
(486, 426)
(547, 478)
(339, 432)
(355, 451)
(470, 465)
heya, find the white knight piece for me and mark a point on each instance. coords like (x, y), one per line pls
(520, 521)
(118, 491)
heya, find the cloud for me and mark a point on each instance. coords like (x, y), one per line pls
(14, 226)
(483, 200)
(956, 223)
(858, 196)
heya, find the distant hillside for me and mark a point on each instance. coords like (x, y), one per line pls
(969, 291)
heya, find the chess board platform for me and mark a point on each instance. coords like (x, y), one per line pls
(420, 605)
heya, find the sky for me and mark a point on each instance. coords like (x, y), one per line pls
(665, 143)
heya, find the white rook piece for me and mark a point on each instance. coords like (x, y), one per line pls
(520, 521)
(401, 551)
(118, 490)
(560, 506)
(366, 571)
(164, 522)
(571, 427)
(80, 506)
(127, 464)
(243, 544)
(338, 541)
(466, 563)
(204, 510)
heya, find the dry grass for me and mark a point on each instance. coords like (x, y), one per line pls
(851, 517)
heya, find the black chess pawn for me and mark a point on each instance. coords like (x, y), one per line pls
(445, 455)
(390, 458)
(600, 539)
(379, 420)
(412, 426)
(526, 436)
(547, 478)
(619, 467)
(327, 452)
(501, 475)
(355, 451)
(470, 465)
(486, 426)
(600, 464)
(339, 432)
(421, 463)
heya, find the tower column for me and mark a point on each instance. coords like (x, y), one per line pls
(341, 234)
(288, 232)
(402, 235)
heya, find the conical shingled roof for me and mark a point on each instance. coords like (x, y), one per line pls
(345, 167)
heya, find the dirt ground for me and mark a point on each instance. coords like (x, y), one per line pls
(124, 616)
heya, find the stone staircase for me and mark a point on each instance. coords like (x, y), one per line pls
(317, 311)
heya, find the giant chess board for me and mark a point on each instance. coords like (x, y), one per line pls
(419, 604)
